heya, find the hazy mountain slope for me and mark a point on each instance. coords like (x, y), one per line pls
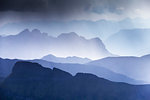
(131, 42)
(45, 84)
(135, 67)
(34, 44)
(75, 68)
(100, 28)
(96, 70)
(73, 59)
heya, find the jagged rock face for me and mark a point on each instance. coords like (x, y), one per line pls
(34, 44)
(32, 81)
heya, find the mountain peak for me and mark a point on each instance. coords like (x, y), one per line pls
(21, 66)
(85, 74)
(69, 59)
(25, 31)
(49, 55)
(70, 44)
(71, 34)
(96, 39)
(36, 31)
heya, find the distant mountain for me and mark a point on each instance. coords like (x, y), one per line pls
(131, 42)
(31, 81)
(73, 59)
(100, 28)
(73, 69)
(134, 67)
(34, 44)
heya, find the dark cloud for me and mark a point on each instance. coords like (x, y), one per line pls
(46, 8)
(42, 5)
(60, 6)
(68, 8)
(22, 5)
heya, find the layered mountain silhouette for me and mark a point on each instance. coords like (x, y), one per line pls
(71, 68)
(31, 81)
(73, 59)
(134, 67)
(101, 28)
(131, 42)
(34, 44)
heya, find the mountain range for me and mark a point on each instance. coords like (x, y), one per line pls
(134, 67)
(34, 44)
(100, 28)
(31, 81)
(73, 59)
(129, 42)
(71, 68)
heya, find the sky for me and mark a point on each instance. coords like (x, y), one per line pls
(16, 10)
(66, 10)
(89, 18)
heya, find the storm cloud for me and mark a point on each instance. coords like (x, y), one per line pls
(50, 6)
(73, 9)
(62, 6)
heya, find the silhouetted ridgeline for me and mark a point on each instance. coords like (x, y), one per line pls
(6, 66)
(72, 59)
(66, 44)
(135, 67)
(31, 81)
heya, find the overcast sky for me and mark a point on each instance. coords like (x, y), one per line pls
(14, 11)
(75, 9)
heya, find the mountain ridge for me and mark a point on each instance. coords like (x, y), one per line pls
(7, 65)
(134, 67)
(71, 59)
(39, 44)
(45, 84)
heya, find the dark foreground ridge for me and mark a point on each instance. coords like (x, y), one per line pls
(31, 81)
(6, 66)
